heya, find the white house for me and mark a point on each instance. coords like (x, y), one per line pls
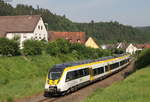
(25, 27)
(132, 49)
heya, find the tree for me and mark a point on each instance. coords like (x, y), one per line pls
(9, 47)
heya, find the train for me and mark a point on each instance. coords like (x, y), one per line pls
(69, 77)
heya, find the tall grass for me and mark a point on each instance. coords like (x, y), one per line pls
(136, 88)
(24, 76)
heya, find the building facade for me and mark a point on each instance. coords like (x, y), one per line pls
(25, 27)
(73, 37)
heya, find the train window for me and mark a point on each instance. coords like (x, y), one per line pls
(80, 73)
(69, 76)
(100, 70)
(106, 68)
(77, 74)
(123, 62)
(72, 75)
(85, 72)
(115, 65)
(95, 71)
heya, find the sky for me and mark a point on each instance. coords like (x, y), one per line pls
(128, 12)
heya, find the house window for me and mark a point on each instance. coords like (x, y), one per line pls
(70, 40)
(24, 37)
(36, 37)
(66, 38)
(41, 27)
(78, 41)
(38, 27)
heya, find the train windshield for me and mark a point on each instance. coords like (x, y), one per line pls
(54, 75)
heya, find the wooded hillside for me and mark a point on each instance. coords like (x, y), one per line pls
(103, 32)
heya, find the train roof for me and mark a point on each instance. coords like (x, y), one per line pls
(64, 65)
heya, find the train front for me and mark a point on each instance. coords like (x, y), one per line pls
(52, 81)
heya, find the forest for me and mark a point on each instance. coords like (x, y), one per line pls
(102, 32)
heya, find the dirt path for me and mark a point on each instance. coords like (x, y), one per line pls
(81, 94)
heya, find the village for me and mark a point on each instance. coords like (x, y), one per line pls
(33, 27)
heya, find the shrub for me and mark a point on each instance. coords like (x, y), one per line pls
(60, 46)
(52, 49)
(78, 49)
(32, 47)
(143, 59)
(9, 47)
(87, 52)
(63, 45)
(10, 99)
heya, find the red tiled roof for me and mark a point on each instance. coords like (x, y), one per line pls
(73, 37)
(16, 24)
(139, 46)
(147, 46)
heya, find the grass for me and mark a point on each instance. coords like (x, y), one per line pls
(136, 88)
(24, 76)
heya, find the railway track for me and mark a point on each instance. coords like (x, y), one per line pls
(48, 100)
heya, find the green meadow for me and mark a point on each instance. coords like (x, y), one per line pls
(25, 76)
(136, 88)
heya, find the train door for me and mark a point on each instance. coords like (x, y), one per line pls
(91, 73)
(109, 69)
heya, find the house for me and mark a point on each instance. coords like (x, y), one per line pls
(73, 37)
(25, 27)
(121, 45)
(133, 48)
(91, 43)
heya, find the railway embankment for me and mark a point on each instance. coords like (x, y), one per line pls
(135, 88)
(22, 76)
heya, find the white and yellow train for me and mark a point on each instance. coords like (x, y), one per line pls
(63, 78)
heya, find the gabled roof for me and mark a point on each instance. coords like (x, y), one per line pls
(18, 24)
(73, 37)
(91, 43)
(139, 46)
(122, 45)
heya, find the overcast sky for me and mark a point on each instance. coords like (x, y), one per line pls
(129, 12)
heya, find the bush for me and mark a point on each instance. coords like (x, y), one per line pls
(63, 45)
(52, 49)
(60, 46)
(9, 47)
(80, 51)
(143, 59)
(32, 47)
